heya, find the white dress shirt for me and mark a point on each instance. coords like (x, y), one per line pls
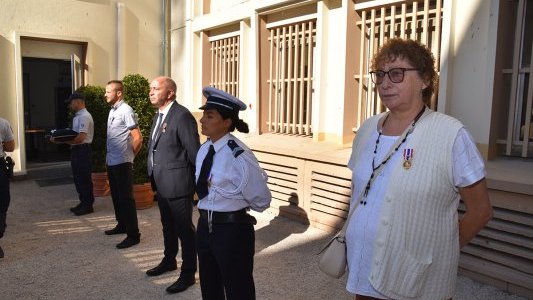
(235, 181)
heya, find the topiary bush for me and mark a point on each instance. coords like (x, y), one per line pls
(136, 94)
(97, 106)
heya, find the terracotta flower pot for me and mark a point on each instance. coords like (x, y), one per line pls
(100, 184)
(143, 195)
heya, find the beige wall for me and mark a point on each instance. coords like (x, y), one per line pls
(112, 51)
(472, 60)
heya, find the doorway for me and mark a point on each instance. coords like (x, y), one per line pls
(46, 84)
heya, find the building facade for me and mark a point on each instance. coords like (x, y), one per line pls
(302, 68)
(49, 48)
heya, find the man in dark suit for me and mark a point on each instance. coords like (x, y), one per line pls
(172, 149)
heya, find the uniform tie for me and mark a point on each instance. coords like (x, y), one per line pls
(157, 124)
(201, 185)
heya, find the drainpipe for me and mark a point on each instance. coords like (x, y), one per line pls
(164, 43)
(120, 40)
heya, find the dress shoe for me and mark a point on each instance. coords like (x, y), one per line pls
(75, 208)
(128, 242)
(84, 210)
(181, 284)
(161, 268)
(116, 230)
(1, 252)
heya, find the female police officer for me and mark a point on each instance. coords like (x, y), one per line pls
(229, 183)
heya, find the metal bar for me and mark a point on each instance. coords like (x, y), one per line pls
(302, 75)
(276, 108)
(514, 83)
(224, 65)
(215, 82)
(283, 80)
(402, 26)
(413, 20)
(529, 111)
(381, 42)
(295, 81)
(289, 81)
(237, 66)
(370, 105)
(272, 85)
(438, 16)
(361, 71)
(212, 64)
(425, 23)
(309, 79)
(392, 21)
(232, 63)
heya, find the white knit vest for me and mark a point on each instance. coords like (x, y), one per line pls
(417, 244)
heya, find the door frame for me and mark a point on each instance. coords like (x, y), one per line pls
(18, 36)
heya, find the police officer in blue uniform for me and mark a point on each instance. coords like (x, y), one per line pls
(7, 144)
(81, 154)
(228, 183)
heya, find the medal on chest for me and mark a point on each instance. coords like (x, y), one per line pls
(408, 158)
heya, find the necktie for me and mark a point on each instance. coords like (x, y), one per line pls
(157, 124)
(201, 185)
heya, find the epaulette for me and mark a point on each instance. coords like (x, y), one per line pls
(236, 149)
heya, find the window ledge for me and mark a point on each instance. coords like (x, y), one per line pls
(511, 175)
(298, 147)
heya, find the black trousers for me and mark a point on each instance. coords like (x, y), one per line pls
(176, 218)
(226, 261)
(80, 162)
(121, 184)
(5, 196)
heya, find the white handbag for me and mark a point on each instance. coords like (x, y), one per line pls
(333, 260)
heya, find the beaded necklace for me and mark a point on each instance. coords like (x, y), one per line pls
(391, 153)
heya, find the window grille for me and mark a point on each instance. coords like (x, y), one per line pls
(519, 135)
(291, 78)
(379, 21)
(225, 64)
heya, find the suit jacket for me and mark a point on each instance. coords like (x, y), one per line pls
(174, 151)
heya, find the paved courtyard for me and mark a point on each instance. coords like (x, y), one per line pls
(51, 254)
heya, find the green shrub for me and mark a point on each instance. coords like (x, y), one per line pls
(99, 109)
(136, 94)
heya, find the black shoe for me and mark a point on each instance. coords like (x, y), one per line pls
(116, 230)
(84, 210)
(181, 284)
(128, 242)
(161, 268)
(75, 208)
(1, 252)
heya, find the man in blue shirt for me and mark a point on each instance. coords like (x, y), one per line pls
(81, 153)
(124, 141)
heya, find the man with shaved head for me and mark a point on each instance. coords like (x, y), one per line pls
(172, 147)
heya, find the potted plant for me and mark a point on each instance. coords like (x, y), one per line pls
(136, 90)
(98, 108)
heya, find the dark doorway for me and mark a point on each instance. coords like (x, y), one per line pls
(46, 85)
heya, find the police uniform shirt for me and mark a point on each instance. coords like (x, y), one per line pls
(236, 180)
(83, 122)
(6, 135)
(121, 120)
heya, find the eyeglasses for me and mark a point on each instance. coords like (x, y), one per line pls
(396, 75)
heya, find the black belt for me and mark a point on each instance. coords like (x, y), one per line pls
(239, 216)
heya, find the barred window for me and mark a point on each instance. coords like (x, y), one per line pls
(376, 23)
(291, 78)
(225, 64)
